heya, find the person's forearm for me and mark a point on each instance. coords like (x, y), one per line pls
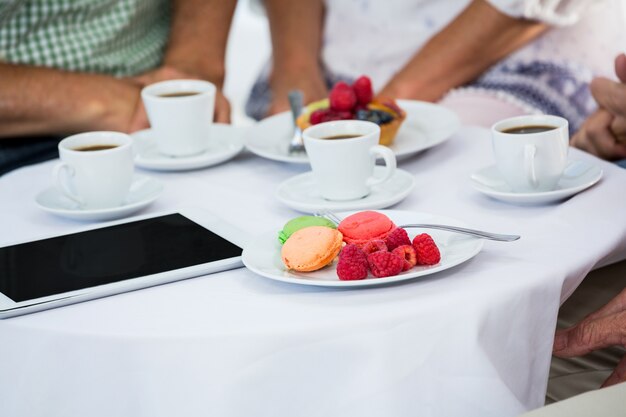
(198, 37)
(37, 101)
(296, 27)
(296, 30)
(478, 38)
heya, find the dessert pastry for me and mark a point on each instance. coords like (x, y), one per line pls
(361, 227)
(301, 222)
(311, 248)
(356, 102)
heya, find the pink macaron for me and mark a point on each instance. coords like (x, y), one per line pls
(361, 227)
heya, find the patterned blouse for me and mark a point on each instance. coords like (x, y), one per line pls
(379, 37)
(549, 75)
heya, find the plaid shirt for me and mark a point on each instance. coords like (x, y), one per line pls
(116, 37)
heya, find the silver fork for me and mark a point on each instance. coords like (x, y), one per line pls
(295, 102)
(476, 233)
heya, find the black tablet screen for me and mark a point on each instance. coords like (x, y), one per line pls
(81, 260)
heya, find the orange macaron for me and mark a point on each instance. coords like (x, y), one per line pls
(311, 248)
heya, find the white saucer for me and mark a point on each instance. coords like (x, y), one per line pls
(262, 254)
(301, 193)
(143, 192)
(225, 143)
(578, 176)
(426, 125)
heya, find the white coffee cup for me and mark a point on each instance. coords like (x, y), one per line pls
(531, 162)
(344, 168)
(180, 124)
(95, 179)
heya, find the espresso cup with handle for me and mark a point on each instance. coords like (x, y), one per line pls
(180, 114)
(96, 169)
(531, 151)
(343, 155)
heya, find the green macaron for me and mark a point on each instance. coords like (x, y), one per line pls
(301, 222)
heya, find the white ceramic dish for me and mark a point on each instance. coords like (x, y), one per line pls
(577, 177)
(262, 255)
(143, 192)
(426, 125)
(301, 193)
(225, 143)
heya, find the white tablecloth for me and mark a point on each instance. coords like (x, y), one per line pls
(471, 341)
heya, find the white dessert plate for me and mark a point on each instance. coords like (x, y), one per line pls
(301, 193)
(143, 191)
(225, 143)
(425, 126)
(578, 176)
(262, 254)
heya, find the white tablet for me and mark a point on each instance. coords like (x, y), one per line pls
(117, 257)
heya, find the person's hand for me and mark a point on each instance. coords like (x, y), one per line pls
(406, 84)
(611, 96)
(111, 104)
(140, 119)
(606, 327)
(597, 137)
(312, 86)
(604, 132)
(401, 86)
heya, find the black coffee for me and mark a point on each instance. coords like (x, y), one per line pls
(342, 137)
(90, 148)
(179, 94)
(520, 130)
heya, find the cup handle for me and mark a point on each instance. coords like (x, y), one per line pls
(390, 164)
(530, 151)
(62, 174)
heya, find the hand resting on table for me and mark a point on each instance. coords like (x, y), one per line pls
(603, 328)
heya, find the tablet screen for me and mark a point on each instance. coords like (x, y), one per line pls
(102, 256)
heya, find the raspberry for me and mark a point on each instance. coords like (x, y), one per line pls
(376, 245)
(328, 115)
(342, 97)
(345, 115)
(397, 237)
(318, 116)
(337, 115)
(385, 264)
(427, 250)
(406, 252)
(352, 264)
(363, 89)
